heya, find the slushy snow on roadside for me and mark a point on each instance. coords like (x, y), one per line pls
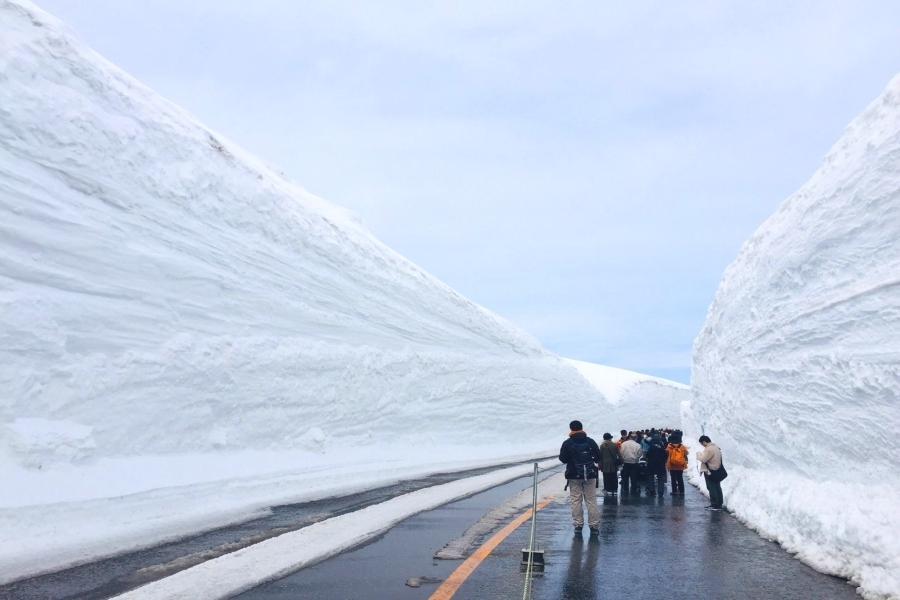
(186, 337)
(797, 370)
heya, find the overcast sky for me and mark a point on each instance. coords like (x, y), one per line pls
(585, 169)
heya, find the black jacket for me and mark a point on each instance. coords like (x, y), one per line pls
(576, 446)
(656, 457)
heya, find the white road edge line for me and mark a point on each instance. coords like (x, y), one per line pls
(276, 557)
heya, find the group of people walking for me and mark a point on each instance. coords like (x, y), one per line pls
(647, 454)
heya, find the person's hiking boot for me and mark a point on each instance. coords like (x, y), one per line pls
(578, 529)
(594, 532)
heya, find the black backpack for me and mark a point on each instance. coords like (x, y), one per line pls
(583, 460)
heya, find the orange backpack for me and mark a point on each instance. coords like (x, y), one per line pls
(677, 458)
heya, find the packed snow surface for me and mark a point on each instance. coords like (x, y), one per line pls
(186, 337)
(797, 370)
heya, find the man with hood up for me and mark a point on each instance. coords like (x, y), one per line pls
(581, 455)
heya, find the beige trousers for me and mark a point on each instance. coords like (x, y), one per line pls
(584, 489)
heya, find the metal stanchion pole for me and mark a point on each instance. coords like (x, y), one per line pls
(529, 570)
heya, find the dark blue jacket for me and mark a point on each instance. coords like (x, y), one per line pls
(579, 445)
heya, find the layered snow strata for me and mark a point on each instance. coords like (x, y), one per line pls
(797, 370)
(167, 293)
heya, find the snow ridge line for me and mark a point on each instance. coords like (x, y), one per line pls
(277, 557)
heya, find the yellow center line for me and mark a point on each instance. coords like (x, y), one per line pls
(452, 584)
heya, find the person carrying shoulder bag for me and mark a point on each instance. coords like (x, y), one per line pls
(710, 459)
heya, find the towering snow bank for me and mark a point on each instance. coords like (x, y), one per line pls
(174, 313)
(797, 369)
(637, 400)
(163, 292)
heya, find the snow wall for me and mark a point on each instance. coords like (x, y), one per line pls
(164, 292)
(796, 371)
(639, 401)
(169, 304)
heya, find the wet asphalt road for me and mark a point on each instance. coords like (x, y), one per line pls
(381, 568)
(653, 548)
(105, 578)
(648, 548)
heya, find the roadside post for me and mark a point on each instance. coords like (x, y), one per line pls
(532, 558)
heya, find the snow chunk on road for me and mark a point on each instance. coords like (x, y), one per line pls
(797, 369)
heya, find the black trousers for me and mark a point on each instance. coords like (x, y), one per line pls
(677, 481)
(609, 482)
(716, 500)
(630, 478)
(656, 483)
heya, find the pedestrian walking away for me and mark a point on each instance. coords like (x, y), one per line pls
(581, 455)
(710, 459)
(631, 456)
(610, 459)
(656, 464)
(677, 462)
